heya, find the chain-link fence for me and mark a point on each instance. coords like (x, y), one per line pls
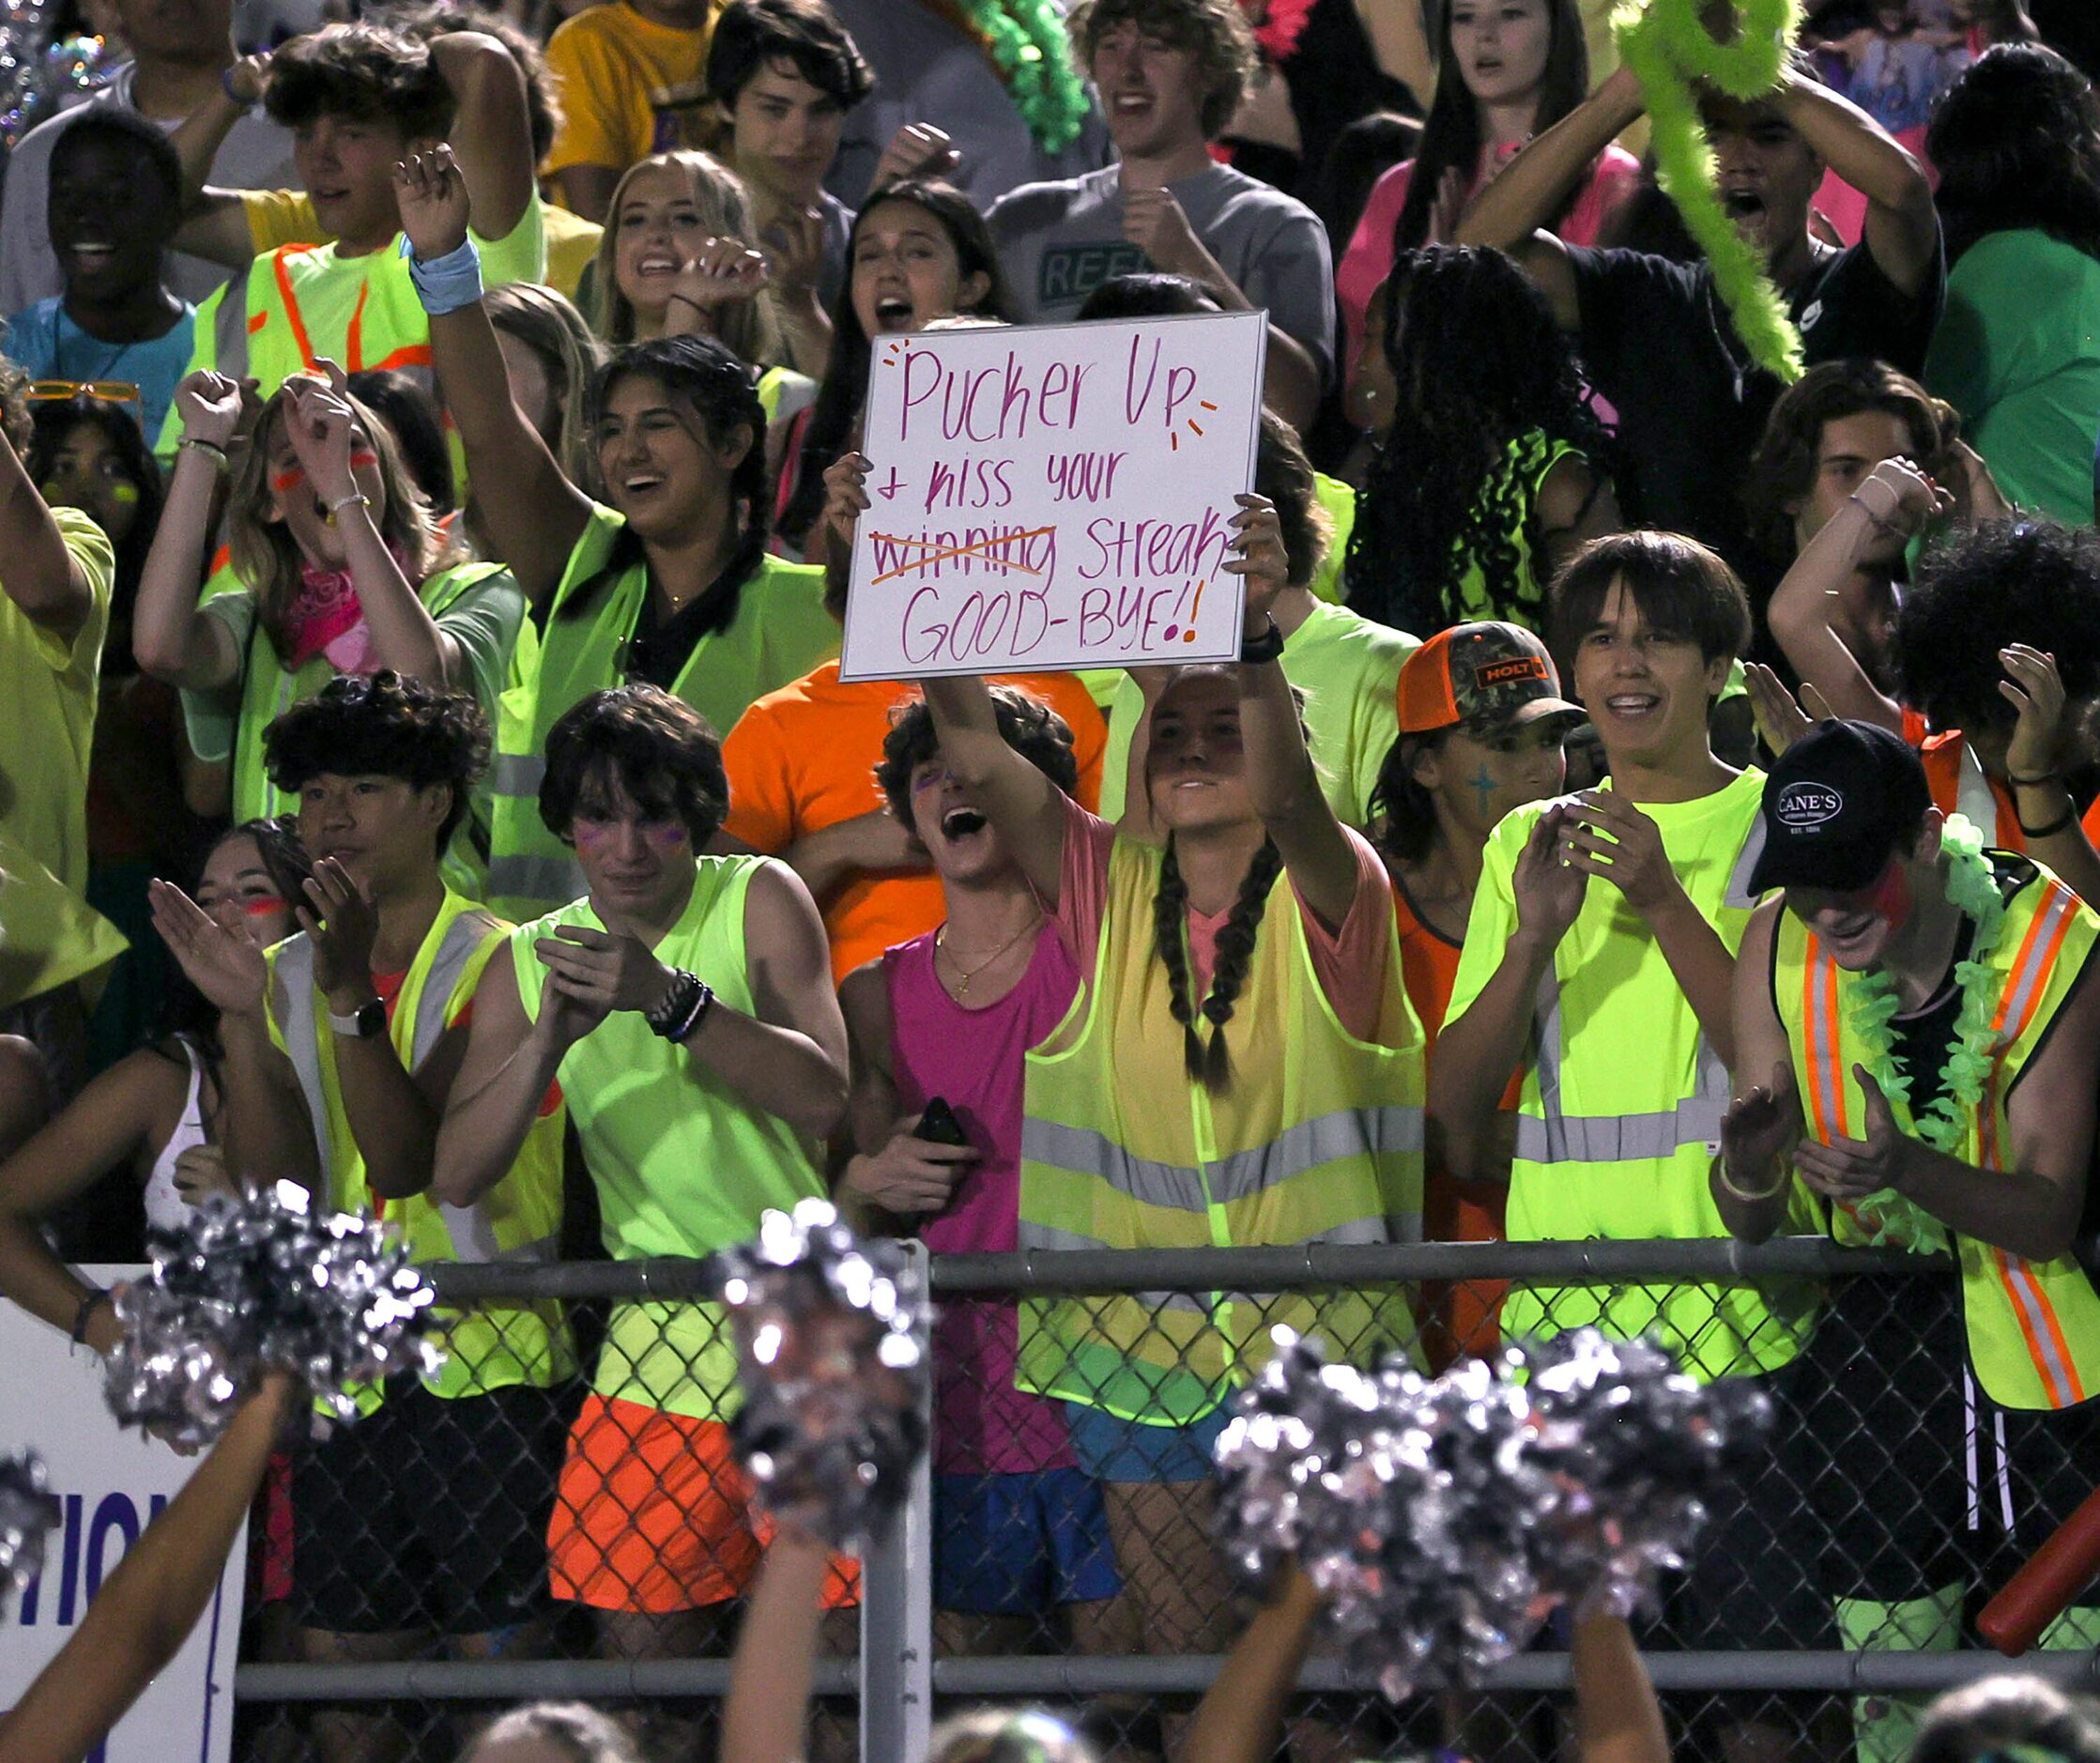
(562, 1517)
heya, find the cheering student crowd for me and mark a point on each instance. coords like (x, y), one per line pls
(1654, 800)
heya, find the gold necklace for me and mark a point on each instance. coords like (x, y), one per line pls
(965, 974)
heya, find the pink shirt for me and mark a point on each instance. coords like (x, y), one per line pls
(974, 1059)
(1369, 259)
(1351, 962)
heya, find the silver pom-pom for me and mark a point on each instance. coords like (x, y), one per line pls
(25, 28)
(832, 1343)
(1635, 1448)
(265, 1281)
(29, 1513)
(1442, 1522)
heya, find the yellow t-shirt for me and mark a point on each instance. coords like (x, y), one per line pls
(48, 686)
(286, 217)
(628, 87)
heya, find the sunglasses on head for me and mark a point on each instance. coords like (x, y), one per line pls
(64, 390)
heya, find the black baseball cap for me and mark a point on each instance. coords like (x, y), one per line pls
(1837, 805)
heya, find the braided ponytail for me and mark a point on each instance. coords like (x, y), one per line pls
(1170, 907)
(1211, 1065)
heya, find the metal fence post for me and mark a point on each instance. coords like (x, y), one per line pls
(896, 1616)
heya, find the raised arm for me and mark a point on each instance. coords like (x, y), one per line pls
(173, 638)
(320, 424)
(1240, 1718)
(1280, 777)
(1751, 1179)
(1575, 504)
(1025, 805)
(492, 130)
(766, 1717)
(42, 576)
(268, 1131)
(535, 523)
(1511, 212)
(1618, 1719)
(147, 1608)
(215, 222)
(1902, 230)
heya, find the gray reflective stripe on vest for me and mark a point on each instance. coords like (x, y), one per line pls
(517, 774)
(1555, 1136)
(1973, 800)
(555, 880)
(229, 333)
(1739, 893)
(1345, 1132)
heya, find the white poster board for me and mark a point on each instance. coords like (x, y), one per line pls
(1053, 497)
(110, 1483)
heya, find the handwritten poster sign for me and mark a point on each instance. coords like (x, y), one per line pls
(1055, 497)
(110, 1484)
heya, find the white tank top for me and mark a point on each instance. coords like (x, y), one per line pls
(166, 1209)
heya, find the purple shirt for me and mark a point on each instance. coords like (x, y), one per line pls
(975, 1060)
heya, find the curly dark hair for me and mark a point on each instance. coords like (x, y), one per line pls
(2015, 140)
(1783, 470)
(1029, 726)
(1227, 57)
(1684, 590)
(1451, 131)
(840, 398)
(751, 35)
(14, 405)
(52, 424)
(1476, 362)
(706, 375)
(383, 725)
(359, 70)
(2024, 580)
(657, 748)
(441, 17)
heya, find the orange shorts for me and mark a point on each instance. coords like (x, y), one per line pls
(654, 1515)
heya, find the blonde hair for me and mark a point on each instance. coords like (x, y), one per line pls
(570, 352)
(752, 326)
(266, 556)
(1000, 1736)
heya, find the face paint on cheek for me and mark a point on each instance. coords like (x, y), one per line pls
(665, 834)
(590, 834)
(286, 481)
(1483, 787)
(364, 459)
(1891, 896)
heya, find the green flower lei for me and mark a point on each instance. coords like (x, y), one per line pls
(1668, 48)
(1028, 46)
(1873, 1006)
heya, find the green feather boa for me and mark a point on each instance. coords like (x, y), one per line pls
(1029, 48)
(1667, 48)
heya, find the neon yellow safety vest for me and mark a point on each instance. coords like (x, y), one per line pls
(520, 1219)
(2033, 1327)
(683, 1164)
(1620, 1115)
(780, 632)
(1318, 1141)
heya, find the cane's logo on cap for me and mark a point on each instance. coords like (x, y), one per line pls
(1804, 806)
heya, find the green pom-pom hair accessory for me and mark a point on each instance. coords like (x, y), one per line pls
(1668, 47)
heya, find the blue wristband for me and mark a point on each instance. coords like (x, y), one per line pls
(449, 283)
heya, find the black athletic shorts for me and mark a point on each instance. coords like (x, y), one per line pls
(429, 1515)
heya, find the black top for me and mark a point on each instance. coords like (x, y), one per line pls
(1657, 343)
(1921, 1041)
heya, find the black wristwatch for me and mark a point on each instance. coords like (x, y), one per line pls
(362, 1024)
(1257, 650)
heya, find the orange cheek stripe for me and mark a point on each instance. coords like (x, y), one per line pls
(286, 482)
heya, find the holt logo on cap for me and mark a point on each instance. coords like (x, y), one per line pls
(1803, 805)
(1508, 672)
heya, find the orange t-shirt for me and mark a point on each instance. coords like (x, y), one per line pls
(1460, 1320)
(803, 759)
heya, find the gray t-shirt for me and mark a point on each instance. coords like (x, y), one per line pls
(1058, 242)
(256, 155)
(927, 70)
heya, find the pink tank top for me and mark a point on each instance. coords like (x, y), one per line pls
(973, 1058)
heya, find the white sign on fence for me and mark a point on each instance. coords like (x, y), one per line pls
(1053, 497)
(110, 1483)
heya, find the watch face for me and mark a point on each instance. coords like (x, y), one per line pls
(372, 1019)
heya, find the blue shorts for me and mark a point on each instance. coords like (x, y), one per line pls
(1111, 1448)
(1013, 1544)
